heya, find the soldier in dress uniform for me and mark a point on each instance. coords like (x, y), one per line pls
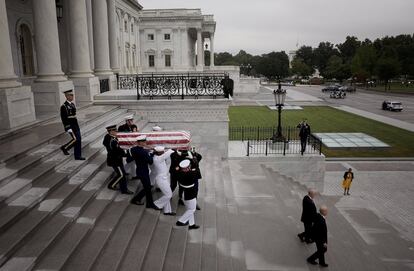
(129, 125)
(114, 160)
(187, 179)
(142, 159)
(70, 123)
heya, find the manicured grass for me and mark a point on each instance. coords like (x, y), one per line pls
(395, 87)
(329, 120)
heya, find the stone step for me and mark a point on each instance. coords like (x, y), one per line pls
(89, 252)
(112, 255)
(134, 256)
(58, 254)
(30, 158)
(38, 237)
(42, 135)
(174, 257)
(155, 254)
(45, 178)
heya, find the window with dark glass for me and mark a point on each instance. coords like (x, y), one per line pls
(150, 36)
(151, 60)
(167, 60)
(167, 36)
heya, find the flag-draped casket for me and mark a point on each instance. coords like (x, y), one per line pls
(169, 139)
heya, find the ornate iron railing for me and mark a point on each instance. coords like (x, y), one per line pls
(179, 86)
(259, 141)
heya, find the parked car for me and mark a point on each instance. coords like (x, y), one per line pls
(392, 106)
(348, 88)
(338, 94)
(331, 88)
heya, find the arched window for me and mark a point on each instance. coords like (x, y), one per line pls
(126, 26)
(26, 50)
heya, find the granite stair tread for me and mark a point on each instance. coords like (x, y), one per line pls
(174, 257)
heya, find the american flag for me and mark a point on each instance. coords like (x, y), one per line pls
(169, 139)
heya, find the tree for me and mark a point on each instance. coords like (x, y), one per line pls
(306, 54)
(387, 68)
(322, 54)
(274, 65)
(364, 61)
(225, 58)
(337, 69)
(348, 48)
(299, 67)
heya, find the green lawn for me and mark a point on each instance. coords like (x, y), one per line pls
(327, 119)
(395, 87)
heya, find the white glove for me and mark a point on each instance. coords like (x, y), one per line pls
(69, 131)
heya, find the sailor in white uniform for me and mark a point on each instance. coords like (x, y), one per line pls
(162, 178)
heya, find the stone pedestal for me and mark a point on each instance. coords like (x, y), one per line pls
(85, 89)
(16, 107)
(48, 96)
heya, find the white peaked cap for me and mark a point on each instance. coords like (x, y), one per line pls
(157, 128)
(141, 138)
(159, 148)
(185, 163)
(129, 117)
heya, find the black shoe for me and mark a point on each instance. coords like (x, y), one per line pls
(127, 192)
(311, 262)
(308, 241)
(112, 188)
(193, 227)
(198, 207)
(323, 264)
(136, 202)
(180, 202)
(302, 239)
(153, 207)
(79, 158)
(65, 152)
(171, 214)
(348, 194)
(178, 223)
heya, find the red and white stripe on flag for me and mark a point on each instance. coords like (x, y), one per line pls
(169, 139)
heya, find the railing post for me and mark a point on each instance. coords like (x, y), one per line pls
(248, 147)
(242, 133)
(266, 148)
(137, 84)
(284, 147)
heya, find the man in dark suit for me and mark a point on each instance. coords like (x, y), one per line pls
(142, 159)
(70, 123)
(114, 160)
(304, 133)
(308, 216)
(320, 236)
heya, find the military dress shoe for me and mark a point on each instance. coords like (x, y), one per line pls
(112, 188)
(127, 192)
(171, 214)
(136, 202)
(153, 207)
(193, 227)
(323, 264)
(65, 152)
(80, 158)
(198, 207)
(178, 223)
(311, 262)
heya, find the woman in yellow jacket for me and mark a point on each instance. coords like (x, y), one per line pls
(346, 183)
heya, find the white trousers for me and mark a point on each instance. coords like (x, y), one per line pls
(165, 201)
(130, 168)
(190, 206)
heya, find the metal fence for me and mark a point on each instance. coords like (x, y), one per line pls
(178, 86)
(259, 140)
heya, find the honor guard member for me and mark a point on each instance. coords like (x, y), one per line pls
(114, 160)
(142, 159)
(70, 123)
(195, 159)
(129, 125)
(186, 180)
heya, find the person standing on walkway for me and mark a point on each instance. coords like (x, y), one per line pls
(346, 183)
(308, 216)
(304, 133)
(186, 180)
(162, 178)
(142, 159)
(70, 123)
(115, 160)
(320, 236)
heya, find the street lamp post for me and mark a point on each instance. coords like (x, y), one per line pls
(279, 95)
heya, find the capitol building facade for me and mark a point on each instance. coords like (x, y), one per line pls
(49, 46)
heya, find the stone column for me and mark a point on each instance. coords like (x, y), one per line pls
(90, 32)
(199, 50)
(86, 85)
(113, 48)
(16, 101)
(51, 81)
(212, 49)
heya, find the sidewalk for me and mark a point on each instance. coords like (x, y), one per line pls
(394, 122)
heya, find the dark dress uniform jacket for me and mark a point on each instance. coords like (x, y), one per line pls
(319, 230)
(115, 153)
(308, 210)
(187, 181)
(68, 116)
(125, 128)
(142, 160)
